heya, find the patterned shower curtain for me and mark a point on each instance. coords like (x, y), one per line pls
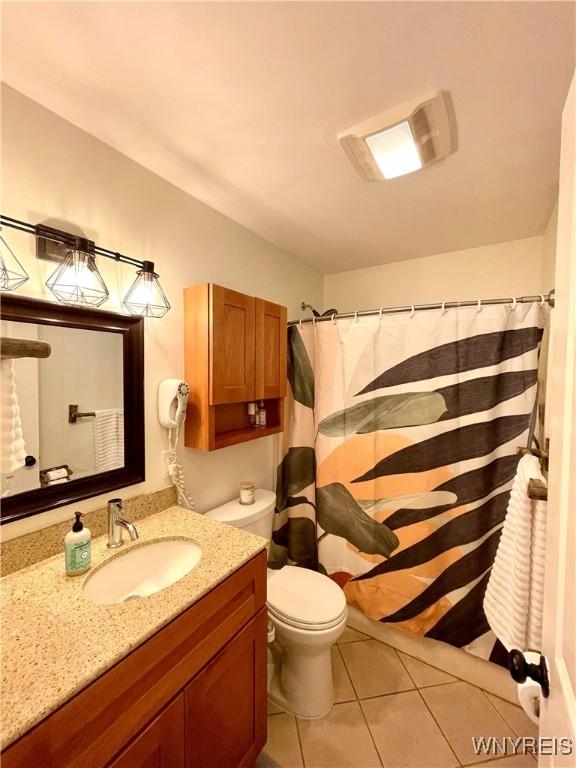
(398, 459)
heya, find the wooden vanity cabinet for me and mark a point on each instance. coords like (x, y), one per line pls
(235, 353)
(192, 696)
(161, 744)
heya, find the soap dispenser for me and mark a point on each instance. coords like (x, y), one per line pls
(77, 548)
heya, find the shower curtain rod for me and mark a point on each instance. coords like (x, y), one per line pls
(548, 298)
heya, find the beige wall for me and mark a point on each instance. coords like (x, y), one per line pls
(54, 172)
(505, 269)
(549, 250)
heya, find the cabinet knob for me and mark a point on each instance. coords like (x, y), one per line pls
(29, 461)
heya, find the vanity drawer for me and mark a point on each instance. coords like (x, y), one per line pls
(94, 726)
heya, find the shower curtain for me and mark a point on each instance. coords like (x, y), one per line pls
(399, 455)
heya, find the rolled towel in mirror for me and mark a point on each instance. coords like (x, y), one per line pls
(56, 474)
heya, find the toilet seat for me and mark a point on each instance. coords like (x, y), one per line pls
(305, 599)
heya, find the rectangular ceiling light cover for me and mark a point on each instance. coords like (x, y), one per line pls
(395, 151)
(401, 140)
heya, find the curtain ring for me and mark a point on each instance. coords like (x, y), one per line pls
(443, 307)
(356, 316)
(542, 300)
(334, 318)
(313, 319)
(300, 322)
(412, 310)
(380, 313)
(514, 302)
(479, 306)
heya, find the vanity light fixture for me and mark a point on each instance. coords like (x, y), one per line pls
(401, 140)
(77, 279)
(12, 273)
(145, 296)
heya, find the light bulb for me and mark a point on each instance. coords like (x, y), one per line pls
(77, 279)
(145, 296)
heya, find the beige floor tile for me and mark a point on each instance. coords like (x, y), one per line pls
(515, 717)
(351, 635)
(405, 732)
(514, 761)
(283, 744)
(463, 711)
(341, 740)
(343, 690)
(423, 674)
(375, 669)
(274, 709)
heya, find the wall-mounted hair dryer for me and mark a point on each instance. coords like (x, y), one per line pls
(172, 400)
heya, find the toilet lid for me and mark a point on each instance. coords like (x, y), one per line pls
(303, 597)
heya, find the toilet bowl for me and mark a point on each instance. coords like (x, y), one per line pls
(307, 612)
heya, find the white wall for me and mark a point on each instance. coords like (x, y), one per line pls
(54, 172)
(549, 250)
(504, 269)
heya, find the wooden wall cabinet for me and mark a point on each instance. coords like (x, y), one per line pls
(192, 696)
(235, 353)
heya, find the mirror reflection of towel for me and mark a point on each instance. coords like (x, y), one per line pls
(109, 439)
(11, 437)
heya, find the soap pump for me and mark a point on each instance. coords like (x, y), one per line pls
(77, 548)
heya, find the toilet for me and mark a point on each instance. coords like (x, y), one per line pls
(307, 613)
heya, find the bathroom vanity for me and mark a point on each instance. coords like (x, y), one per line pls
(173, 680)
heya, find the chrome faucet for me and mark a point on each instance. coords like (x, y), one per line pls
(116, 523)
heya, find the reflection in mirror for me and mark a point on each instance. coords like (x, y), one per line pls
(84, 371)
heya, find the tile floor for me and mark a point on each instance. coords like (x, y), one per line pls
(395, 711)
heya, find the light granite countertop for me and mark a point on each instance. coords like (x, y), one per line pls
(55, 641)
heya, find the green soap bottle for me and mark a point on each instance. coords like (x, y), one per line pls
(77, 548)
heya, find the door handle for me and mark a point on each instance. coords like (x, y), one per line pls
(522, 667)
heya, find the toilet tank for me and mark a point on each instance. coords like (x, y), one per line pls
(256, 518)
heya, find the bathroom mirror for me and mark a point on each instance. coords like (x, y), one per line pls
(72, 404)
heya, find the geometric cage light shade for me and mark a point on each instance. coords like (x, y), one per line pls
(145, 297)
(77, 280)
(12, 273)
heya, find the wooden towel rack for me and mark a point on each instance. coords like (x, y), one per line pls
(12, 349)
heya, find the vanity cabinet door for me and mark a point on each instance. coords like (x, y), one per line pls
(271, 349)
(225, 706)
(160, 745)
(232, 349)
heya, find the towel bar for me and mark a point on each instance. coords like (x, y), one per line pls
(74, 414)
(537, 490)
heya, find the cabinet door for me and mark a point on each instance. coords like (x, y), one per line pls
(271, 345)
(232, 348)
(225, 706)
(160, 745)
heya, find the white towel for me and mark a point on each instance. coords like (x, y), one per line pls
(109, 439)
(13, 449)
(514, 598)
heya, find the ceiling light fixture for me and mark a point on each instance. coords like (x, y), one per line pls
(146, 297)
(401, 140)
(77, 279)
(12, 273)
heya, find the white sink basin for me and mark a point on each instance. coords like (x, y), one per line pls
(142, 570)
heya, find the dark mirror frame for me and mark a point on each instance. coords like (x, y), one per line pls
(25, 310)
